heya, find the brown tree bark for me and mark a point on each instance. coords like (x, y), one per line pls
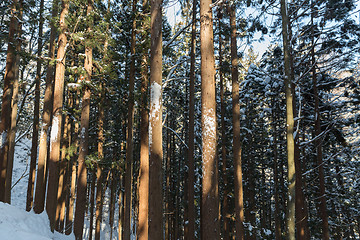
(39, 201)
(101, 140)
(35, 133)
(210, 225)
(84, 137)
(51, 200)
(11, 73)
(14, 106)
(129, 137)
(225, 209)
(290, 210)
(121, 209)
(143, 226)
(155, 124)
(92, 202)
(239, 202)
(70, 208)
(190, 234)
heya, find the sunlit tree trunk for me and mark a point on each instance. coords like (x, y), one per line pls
(84, 137)
(210, 225)
(155, 124)
(55, 139)
(39, 201)
(14, 107)
(10, 82)
(290, 209)
(35, 133)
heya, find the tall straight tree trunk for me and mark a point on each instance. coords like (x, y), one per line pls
(155, 124)
(39, 201)
(55, 138)
(35, 133)
(143, 226)
(191, 163)
(70, 209)
(239, 202)
(9, 79)
(129, 137)
(225, 208)
(276, 174)
(92, 202)
(101, 140)
(290, 208)
(210, 225)
(121, 209)
(14, 107)
(318, 141)
(84, 137)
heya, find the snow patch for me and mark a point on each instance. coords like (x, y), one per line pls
(3, 138)
(54, 129)
(16, 224)
(155, 106)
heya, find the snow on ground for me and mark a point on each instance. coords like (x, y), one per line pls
(17, 224)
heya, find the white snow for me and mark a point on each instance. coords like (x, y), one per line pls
(16, 224)
(155, 106)
(54, 129)
(3, 138)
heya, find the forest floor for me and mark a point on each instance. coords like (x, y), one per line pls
(17, 224)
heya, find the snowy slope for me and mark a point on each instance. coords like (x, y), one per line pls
(16, 224)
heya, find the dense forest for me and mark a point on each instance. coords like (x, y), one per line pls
(184, 130)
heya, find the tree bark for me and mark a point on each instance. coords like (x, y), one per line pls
(57, 119)
(190, 234)
(239, 202)
(11, 73)
(210, 225)
(35, 133)
(290, 210)
(143, 226)
(39, 201)
(70, 209)
(129, 138)
(155, 124)
(84, 137)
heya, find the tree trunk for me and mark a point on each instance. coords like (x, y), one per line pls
(92, 202)
(121, 209)
(155, 124)
(11, 73)
(40, 189)
(276, 174)
(290, 210)
(143, 226)
(239, 202)
(14, 108)
(129, 138)
(57, 119)
(35, 133)
(70, 209)
(209, 206)
(191, 164)
(225, 208)
(84, 138)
